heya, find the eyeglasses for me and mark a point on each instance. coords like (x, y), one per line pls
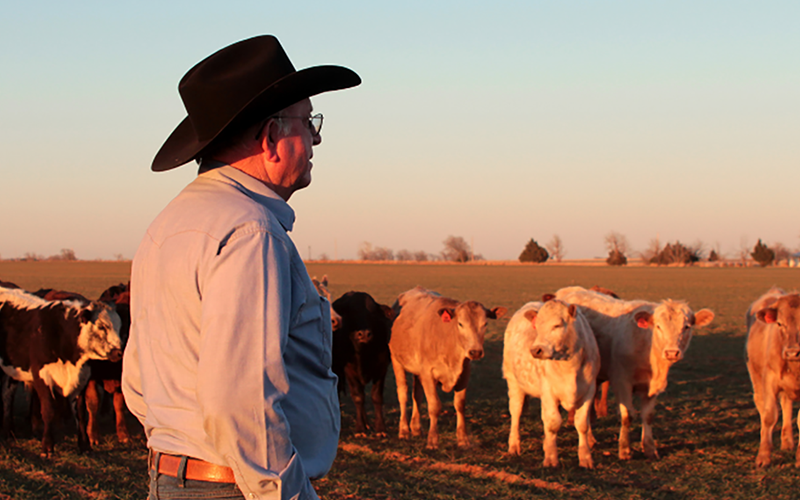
(314, 122)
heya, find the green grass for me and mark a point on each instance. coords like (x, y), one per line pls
(706, 425)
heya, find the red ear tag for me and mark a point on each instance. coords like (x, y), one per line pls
(446, 317)
(642, 323)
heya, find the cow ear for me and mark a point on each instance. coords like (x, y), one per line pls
(324, 280)
(643, 319)
(768, 315)
(703, 317)
(387, 311)
(446, 314)
(530, 315)
(548, 297)
(573, 310)
(85, 314)
(496, 312)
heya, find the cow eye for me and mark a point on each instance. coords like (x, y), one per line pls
(460, 324)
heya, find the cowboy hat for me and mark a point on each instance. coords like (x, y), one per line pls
(237, 86)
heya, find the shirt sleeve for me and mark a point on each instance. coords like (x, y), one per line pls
(246, 311)
(132, 380)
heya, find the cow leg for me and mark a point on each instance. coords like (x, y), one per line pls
(551, 420)
(115, 387)
(787, 439)
(797, 453)
(434, 410)
(47, 404)
(356, 387)
(516, 405)
(77, 404)
(584, 427)
(92, 410)
(402, 398)
(624, 393)
(377, 404)
(460, 403)
(601, 403)
(9, 389)
(769, 417)
(418, 394)
(648, 415)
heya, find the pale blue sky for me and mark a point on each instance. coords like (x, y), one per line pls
(496, 121)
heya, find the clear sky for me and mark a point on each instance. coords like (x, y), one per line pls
(495, 121)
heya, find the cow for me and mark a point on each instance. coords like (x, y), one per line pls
(435, 339)
(773, 361)
(361, 353)
(322, 290)
(639, 341)
(47, 343)
(550, 353)
(107, 373)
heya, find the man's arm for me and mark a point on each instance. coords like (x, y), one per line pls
(241, 380)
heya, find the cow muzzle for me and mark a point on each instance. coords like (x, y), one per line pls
(475, 354)
(673, 354)
(115, 355)
(791, 353)
(542, 352)
(362, 336)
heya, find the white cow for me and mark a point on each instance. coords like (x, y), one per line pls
(550, 353)
(639, 341)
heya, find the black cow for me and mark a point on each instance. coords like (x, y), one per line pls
(47, 344)
(108, 374)
(361, 353)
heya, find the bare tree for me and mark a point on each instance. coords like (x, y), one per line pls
(652, 251)
(781, 252)
(456, 249)
(556, 248)
(744, 250)
(367, 252)
(421, 256)
(404, 255)
(617, 242)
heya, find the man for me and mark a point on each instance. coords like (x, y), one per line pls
(228, 366)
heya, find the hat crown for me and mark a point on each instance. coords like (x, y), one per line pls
(229, 80)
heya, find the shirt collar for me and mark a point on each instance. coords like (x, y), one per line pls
(253, 188)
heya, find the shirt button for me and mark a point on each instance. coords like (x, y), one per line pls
(252, 495)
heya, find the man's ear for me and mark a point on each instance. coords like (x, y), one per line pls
(269, 135)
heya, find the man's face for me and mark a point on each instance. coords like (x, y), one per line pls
(295, 148)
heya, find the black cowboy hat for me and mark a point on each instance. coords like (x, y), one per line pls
(237, 86)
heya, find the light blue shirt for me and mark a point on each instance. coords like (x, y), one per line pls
(229, 357)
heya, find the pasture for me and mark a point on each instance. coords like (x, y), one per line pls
(706, 426)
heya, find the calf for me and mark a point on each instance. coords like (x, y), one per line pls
(639, 341)
(550, 353)
(361, 353)
(773, 360)
(47, 344)
(107, 373)
(436, 338)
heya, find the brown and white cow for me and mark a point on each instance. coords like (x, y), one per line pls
(435, 339)
(47, 345)
(639, 341)
(550, 353)
(361, 353)
(773, 360)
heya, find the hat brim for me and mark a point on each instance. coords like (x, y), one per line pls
(182, 146)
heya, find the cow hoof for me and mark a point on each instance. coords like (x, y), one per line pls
(624, 454)
(586, 463)
(550, 462)
(763, 461)
(514, 449)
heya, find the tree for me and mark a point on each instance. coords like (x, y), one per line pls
(533, 253)
(652, 251)
(713, 256)
(677, 253)
(456, 249)
(367, 252)
(617, 246)
(556, 248)
(404, 255)
(762, 254)
(781, 252)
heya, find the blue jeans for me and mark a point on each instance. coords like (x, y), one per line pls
(163, 487)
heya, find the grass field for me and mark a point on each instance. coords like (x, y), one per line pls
(706, 425)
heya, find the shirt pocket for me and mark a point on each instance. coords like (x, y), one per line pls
(312, 327)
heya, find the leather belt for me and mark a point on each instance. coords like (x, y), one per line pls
(196, 469)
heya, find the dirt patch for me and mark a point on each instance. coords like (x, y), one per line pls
(470, 470)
